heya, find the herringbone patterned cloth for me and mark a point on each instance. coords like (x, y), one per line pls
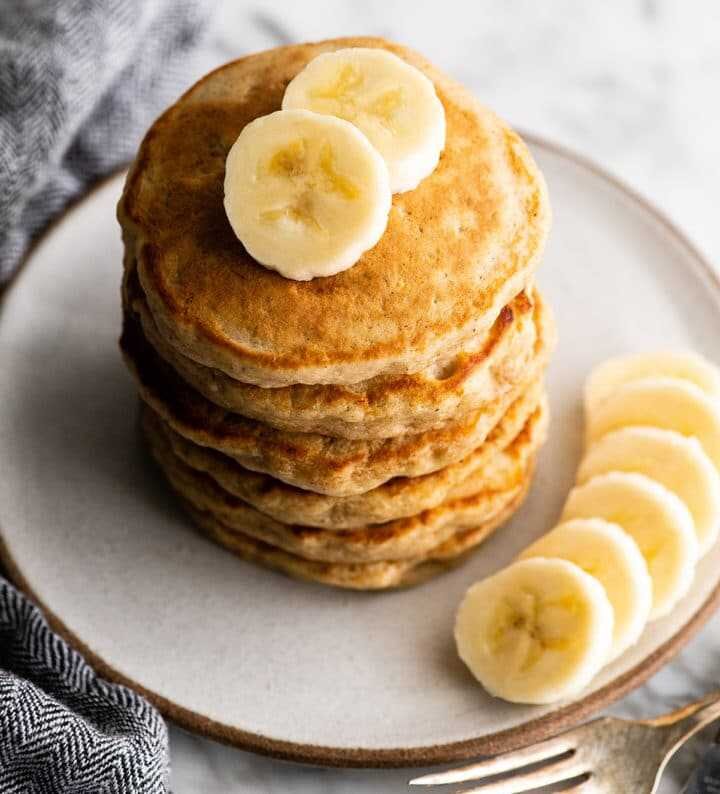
(63, 729)
(80, 81)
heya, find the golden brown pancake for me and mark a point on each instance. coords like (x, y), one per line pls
(387, 405)
(407, 538)
(456, 250)
(337, 467)
(489, 466)
(358, 576)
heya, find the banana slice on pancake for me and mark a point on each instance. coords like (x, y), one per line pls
(536, 632)
(392, 102)
(306, 194)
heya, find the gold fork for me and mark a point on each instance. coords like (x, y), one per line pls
(604, 756)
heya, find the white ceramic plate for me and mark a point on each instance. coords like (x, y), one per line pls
(246, 655)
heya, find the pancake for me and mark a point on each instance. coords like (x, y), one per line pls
(379, 575)
(456, 250)
(337, 467)
(407, 538)
(491, 465)
(382, 406)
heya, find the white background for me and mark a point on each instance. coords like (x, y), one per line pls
(634, 84)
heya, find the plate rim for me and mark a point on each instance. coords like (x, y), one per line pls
(529, 732)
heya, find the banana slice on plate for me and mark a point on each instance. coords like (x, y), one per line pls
(655, 518)
(392, 102)
(536, 632)
(306, 194)
(615, 372)
(610, 555)
(668, 403)
(675, 461)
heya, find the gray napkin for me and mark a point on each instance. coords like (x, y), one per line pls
(80, 81)
(63, 730)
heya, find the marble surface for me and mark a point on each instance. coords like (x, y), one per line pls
(631, 83)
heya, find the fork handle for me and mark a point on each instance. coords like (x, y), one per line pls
(683, 723)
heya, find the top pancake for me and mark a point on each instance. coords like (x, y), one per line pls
(456, 250)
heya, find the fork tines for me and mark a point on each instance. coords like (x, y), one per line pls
(557, 756)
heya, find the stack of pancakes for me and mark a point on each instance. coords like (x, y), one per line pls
(362, 430)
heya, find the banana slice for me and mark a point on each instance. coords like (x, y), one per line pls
(615, 372)
(393, 103)
(536, 632)
(306, 194)
(655, 518)
(611, 556)
(668, 403)
(675, 461)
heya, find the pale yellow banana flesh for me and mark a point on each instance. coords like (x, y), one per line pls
(655, 518)
(610, 555)
(392, 102)
(684, 365)
(536, 632)
(675, 461)
(667, 403)
(306, 194)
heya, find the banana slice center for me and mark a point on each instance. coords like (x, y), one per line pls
(527, 626)
(352, 98)
(311, 171)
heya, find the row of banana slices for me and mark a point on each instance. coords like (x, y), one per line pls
(645, 508)
(308, 188)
